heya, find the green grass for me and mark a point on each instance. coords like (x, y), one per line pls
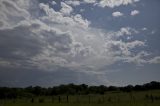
(82, 104)
(109, 99)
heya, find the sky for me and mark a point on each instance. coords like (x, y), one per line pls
(96, 42)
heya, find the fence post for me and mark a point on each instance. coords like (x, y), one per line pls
(67, 99)
(77, 98)
(152, 99)
(52, 99)
(32, 100)
(59, 99)
(103, 98)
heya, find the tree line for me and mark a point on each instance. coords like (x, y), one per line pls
(71, 89)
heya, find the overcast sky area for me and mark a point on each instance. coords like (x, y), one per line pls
(52, 42)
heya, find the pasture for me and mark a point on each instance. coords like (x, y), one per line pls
(110, 98)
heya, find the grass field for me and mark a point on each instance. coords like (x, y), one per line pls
(139, 98)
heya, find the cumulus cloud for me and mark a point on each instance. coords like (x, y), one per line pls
(59, 18)
(144, 29)
(134, 12)
(115, 3)
(117, 14)
(89, 1)
(66, 9)
(138, 59)
(102, 3)
(56, 40)
(155, 60)
(120, 48)
(11, 13)
(54, 3)
(126, 31)
(58, 43)
(73, 2)
(123, 31)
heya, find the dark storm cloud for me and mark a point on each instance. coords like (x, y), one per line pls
(19, 39)
(22, 43)
(60, 41)
(25, 77)
(19, 44)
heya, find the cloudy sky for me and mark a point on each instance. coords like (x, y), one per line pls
(52, 42)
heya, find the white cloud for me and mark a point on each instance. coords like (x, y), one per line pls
(82, 10)
(138, 58)
(115, 3)
(59, 18)
(73, 2)
(155, 60)
(134, 12)
(120, 48)
(66, 9)
(78, 18)
(136, 0)
(125, 31)
(128, 32)
(144, 29)
(89, 1)
(117, 14)
(153, 32)
(11, 13)
(60, 39)
(57, 40)
(102, 3)
(54, 3)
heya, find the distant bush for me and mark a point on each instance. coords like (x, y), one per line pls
(41, 100)
(71, 89)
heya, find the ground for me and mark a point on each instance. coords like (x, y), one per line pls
(135, 98)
